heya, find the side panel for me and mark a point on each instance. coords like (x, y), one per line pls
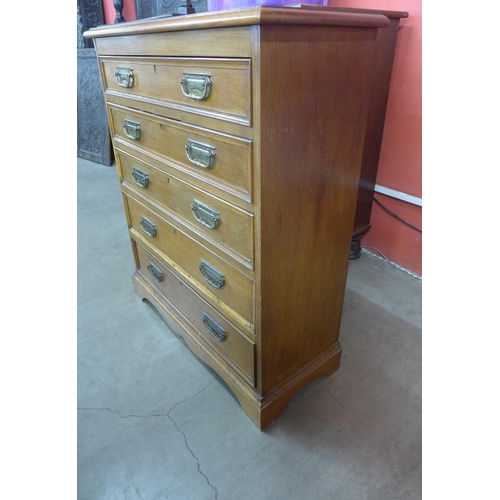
(313, 100)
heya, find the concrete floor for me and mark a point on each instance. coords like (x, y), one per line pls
(154, 422)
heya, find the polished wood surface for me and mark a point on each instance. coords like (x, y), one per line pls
(237, 349)
(312, 129)
(158, 80)
(168, 139)
(218, 42)
(234, 233)
(285, 181)
(245, 17)
(380, 78)
(170, 240)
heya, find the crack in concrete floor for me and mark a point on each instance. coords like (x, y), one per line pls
(216, 491)
(186, 440)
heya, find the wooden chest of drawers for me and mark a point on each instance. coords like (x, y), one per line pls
(238, 138)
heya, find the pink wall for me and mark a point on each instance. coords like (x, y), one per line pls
(400, 165)
(110, 12)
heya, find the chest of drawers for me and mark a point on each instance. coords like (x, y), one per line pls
(238, 138)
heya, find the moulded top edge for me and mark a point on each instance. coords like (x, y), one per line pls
(243, 17)
(391, 14)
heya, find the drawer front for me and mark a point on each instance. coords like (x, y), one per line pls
(209, 271)
(224, 42)
(217, 220)
(220, 88)
(224, 338)
(216, 158)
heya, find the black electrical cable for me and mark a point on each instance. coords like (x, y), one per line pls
(394, 215)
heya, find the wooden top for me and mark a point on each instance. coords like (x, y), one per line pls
(391, 14)
(260, 15)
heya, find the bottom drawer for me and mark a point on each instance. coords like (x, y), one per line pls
(229, 343)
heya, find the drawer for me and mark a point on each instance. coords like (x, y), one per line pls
(224, 338)
(215, 276)
(220, 88)
(215, 219)
(213, 157)
(223, 42)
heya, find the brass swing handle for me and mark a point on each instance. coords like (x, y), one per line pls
(125, 77)
(196, 86)
(213, 276)
(200, 154)
(156, 273)
(140, 177)
(132, 129)
(213, 328)
(205, 215)
(148, 227)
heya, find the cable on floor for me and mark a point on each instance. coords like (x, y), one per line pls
(395, 215)
(383, 257)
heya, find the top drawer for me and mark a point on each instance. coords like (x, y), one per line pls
(219, 88)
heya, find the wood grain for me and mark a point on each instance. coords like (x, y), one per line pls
(172, 241)
(234, 233)
(158, 80)
(312, 129)
(219, 42)
(236, 350)
(285, 182)
(244, 17)
(168, 139)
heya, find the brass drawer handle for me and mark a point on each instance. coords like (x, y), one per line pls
(140, 177)
(213, 328)
(156, 273)
(213, 276)
(205, 215)
(125, 77)
(202, 155)
(148, 227)
(196, 86)
(132, 129)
